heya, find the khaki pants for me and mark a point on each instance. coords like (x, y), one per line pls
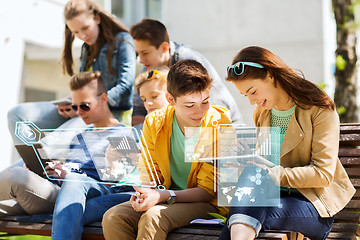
(24, 192)
(123, 222)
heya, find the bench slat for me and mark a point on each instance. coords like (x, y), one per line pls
(267, 235)
(354, 204)
(347, 216)
(357, 193)
(174, 236)
(349, 152)
(352, 139)
(198, 231)
(352, 161)
(25, 228)
(10, 226)
(349, 129)
(335, 235)
(92, 234)
(353, 172)
(346, 227)
(355, 182)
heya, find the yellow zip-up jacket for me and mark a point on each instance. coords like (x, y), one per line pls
(309, 158)
(155, 139)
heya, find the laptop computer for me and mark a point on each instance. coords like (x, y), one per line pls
(32, 157)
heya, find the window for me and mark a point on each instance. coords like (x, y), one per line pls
(132, 11)
(35, 95)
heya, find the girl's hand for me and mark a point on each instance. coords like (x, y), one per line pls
(242, 147)
(263, 166)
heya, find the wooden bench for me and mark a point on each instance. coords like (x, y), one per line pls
(346, 224)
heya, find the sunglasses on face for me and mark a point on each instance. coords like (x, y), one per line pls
(147, 76)
(238, 68)
(83, 106)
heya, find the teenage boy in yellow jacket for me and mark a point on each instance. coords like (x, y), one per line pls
(154, 212)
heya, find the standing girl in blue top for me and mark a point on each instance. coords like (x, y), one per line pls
(313, 184)
(108, 48)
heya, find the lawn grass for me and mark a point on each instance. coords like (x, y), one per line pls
(26, 237)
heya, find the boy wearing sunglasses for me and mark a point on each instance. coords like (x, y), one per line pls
(32, 194)
(154, 49)
(183, 190)
(79, 191)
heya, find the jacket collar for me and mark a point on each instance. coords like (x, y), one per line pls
(293, 135)
(164, 118)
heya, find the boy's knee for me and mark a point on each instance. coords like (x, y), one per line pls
(153, 224)
(152, 213)
(13, 113)
(15, 176)
(76, 183)
(76, 177)
(152, 217)
(119, 214)
(119, 223)
(15, 179)
(109, 218)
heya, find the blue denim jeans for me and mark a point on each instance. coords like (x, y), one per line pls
(82, 200)
(295, 213)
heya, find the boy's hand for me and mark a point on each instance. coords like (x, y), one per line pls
(56, 169)
(146, 198)
(111, 157)
(66, 111)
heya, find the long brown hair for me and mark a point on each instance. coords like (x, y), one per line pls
(303, 92)
(108, 28)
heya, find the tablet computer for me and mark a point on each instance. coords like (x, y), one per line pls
(125, 144)
(33, 157)
(244, 159)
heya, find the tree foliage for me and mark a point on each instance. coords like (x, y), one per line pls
(346, 58)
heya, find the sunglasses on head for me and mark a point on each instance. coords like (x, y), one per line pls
(84, 106)
(147, 76)
(238, 68)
